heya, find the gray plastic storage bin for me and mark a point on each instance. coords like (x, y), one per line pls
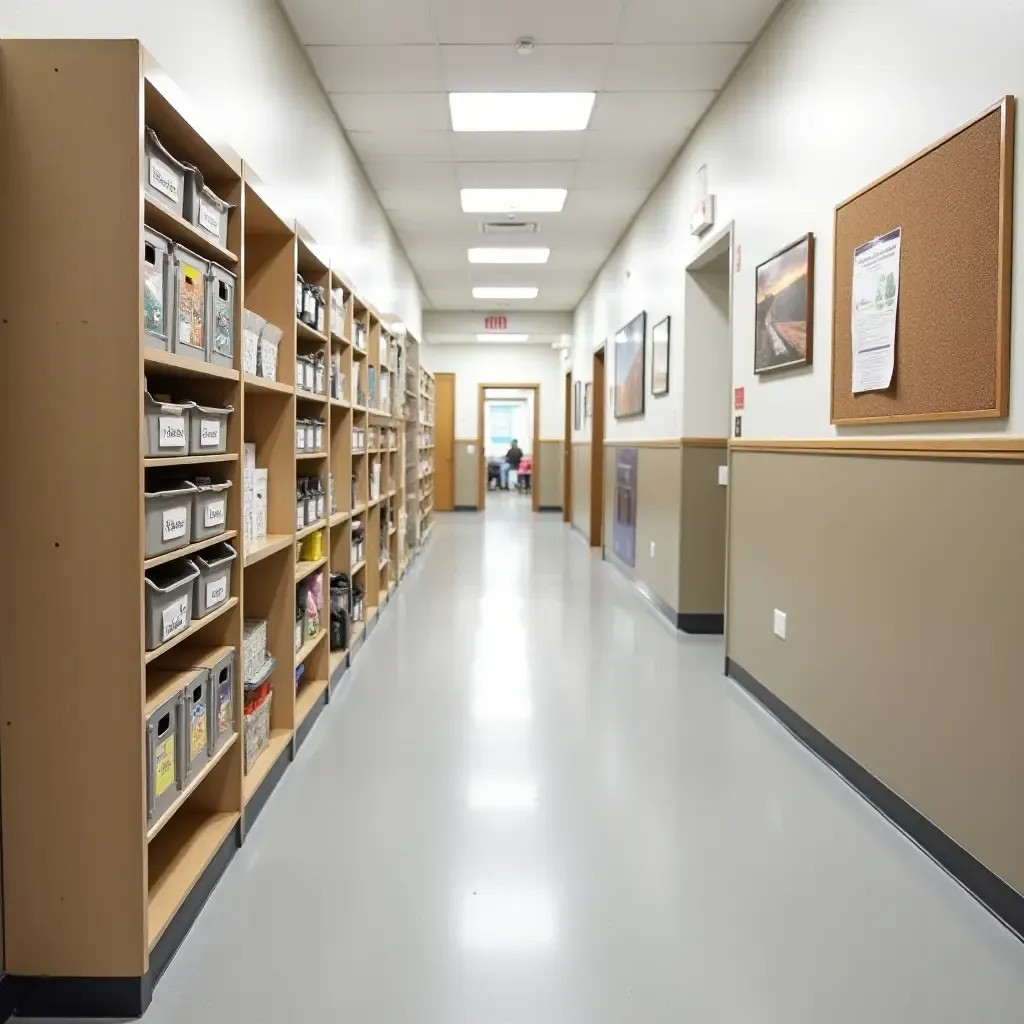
(168, 601)
(213, 585)
(165, 175)
(220, 316)
(195, 725)
(167, 428)
(169, 519)
(163, 774)
(208, 433)
(209, 508)
(206, 209)
(157, 289)
(190, 273)
(218, 666)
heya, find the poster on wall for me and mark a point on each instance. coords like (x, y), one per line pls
(784, 316)
(588, 400)
(661, 336)
(630, 345)
(577, 411)
(876, 296)
(624, 527)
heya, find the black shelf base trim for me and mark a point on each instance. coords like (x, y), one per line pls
(310, 720)
(999, 898)
(466, 508)
(266, 788)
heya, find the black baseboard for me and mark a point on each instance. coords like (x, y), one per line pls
(701, 622)
(549, 508)
(263, 793)
(466, 508)
(999, 898)
(6, 998)
(310, 720)
(338, 675)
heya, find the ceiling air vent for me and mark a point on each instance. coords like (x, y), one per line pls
(508, 227)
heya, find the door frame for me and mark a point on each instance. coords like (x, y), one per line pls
(438, 454)
(597, 450)
(567, 452)
(481, 469)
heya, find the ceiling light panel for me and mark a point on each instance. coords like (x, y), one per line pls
(515, 254)
(512, 200)
(520, 111)
(491, 292)
(502, 337)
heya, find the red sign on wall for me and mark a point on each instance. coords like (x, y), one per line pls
(739, 401)
(495, 323)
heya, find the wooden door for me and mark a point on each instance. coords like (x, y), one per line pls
(567, 454)
(597, 455)
(444, 442)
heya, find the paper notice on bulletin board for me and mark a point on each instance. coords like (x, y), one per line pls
(876, 293)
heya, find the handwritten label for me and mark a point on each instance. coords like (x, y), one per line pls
(175, 617)
(209, 218)
(213, 514)
(209, 433)
(300, 515)
(174, 523)
(172, 432)
(216, 591)
(163, 178)
(163, 766)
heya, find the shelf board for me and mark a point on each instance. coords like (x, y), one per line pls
(190, 788)
(383, 596)
(310, 396)
(179, 229)
(335, 336)
(309, 647)
(263, 547)
(179, 857)
(189, 460)
(309, 334)
(170, 556)
(357, 630)
(306, 696)
(358, 353)
(181, 366)
(304, 569)
(312, 528)
(358, 566)
(197, 624)
(426, 447)
(341, 403)
(259, 384)
(335, 659)
(376, 501)
(338, 518)
(279, 739)
(359, 510)
(307, 456)
(392, 492)
(392, 532)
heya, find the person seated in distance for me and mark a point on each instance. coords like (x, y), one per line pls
(512, 459)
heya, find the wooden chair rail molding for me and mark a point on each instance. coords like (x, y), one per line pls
(1010, 449)
(667, 442)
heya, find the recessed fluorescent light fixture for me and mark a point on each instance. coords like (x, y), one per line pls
(509, 255)
(502, 337)
(513, 200)
(520, 111)
(505, 293)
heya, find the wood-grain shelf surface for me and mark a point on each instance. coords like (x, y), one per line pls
(191, 549)
(263, 547)
(309, 334)
(338, 518)
(257, 384)
(341, 403)
(308, 694)
(312, 528)
(358, 566)
(310, 456)
(169, 223)
(304, 569)
(310, 396)
(335, 659)
(173, 365)
(196, 625)
(309, 647)
(189, 460)
(279, 739)
(178, 856)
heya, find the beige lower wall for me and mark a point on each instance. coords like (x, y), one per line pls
(466, 469)
(549, 473)
(702, 531)
(581, 487)
(903, 582)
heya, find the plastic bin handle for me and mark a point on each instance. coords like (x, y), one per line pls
(176, 583)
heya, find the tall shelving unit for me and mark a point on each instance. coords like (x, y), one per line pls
(426, 448)
(98, 894)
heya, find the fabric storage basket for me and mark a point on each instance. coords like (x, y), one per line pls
(209, 508)
(212, 587)
(167, 428)
(157, 289)
(220, 316)
(270, 339)
(165, 175)
(190, 273)
(163, 779)
(168, 601)
(206, 209)
(169, 519)
(257, 729)
(208, 432)
(195, 722)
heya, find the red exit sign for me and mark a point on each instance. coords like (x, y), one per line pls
(495, 323)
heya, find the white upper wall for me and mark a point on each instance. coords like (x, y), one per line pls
(834, 95)
(238, 60)
(478, 364)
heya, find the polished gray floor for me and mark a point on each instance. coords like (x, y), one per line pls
(538, 804)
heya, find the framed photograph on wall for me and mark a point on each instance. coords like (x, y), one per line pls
(588, 400)
(630, 375)
(661, 337)
(577, 406)
(784, 318)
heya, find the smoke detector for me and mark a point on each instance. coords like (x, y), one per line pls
(524, 46)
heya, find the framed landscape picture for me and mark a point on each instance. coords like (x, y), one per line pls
(588, 400)
(661, 337)
(784, 319)
(630, 375)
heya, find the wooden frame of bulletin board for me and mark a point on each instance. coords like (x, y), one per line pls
(954, 203)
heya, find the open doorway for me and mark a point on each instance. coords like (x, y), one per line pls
(509, 432)
(597, 454)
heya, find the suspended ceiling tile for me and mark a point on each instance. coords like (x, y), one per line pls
(517, 146)
(682, 68)
(395, 113)
(547, 21)
(377, 69)
(399, 146)
(501, 69)
(658, 114)
(409, 173)
(694, 21)
(359, 23)
(620, 172)
(516, 174)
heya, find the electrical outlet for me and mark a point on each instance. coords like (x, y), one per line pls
(780, 624)
(723, 476)
(652, 549)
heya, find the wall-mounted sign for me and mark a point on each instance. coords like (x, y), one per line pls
(495, 323)
(740, 398)
(703, 217)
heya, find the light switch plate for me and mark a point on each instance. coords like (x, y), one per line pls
(652, 549)
(780, 624)
(723, 476)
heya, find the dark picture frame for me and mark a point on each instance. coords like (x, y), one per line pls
(631, 368)
(588, 400)
(577, 406)
(784, 308)
(660, 353)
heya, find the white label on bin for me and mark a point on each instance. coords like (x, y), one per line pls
(213, 514)
(175, 618)
(163, 178)
(209, 433)
(172, 432)
(174, 523)
(209, 218)
(300, 515)
(216, 591)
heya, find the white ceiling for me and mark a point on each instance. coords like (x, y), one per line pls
(388, 65)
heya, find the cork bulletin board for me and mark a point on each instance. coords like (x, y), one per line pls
(954, 203)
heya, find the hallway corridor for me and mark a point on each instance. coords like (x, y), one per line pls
(560, 812)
